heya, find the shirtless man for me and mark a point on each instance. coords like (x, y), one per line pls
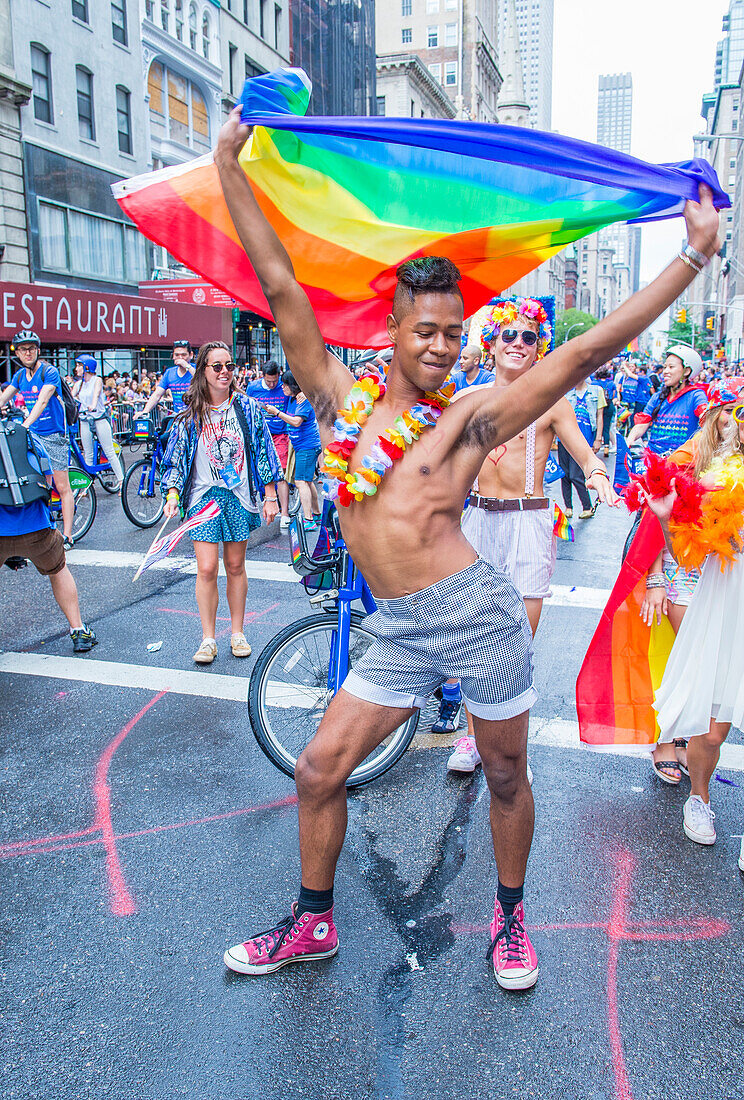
(510, 521)
(453, 612)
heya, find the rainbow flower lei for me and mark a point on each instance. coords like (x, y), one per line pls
(363, 482)
(506, 313)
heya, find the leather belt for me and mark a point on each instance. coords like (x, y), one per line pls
(513, 504)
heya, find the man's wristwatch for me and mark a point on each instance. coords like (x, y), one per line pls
(698, 258)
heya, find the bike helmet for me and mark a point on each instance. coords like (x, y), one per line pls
(26, 336)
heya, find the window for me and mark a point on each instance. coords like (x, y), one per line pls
(205, 35)
(432, 37)
(232, 54)
(436, 72)
(406, 36)
(155, 88)
(450, 73)
(413, 109)
(80, 10)
(178, 110)
(179, 20)
(87, 244)
(450, 5)
(261, 27)
(192, 26)
(277, 25)
(86, 121)
(406, 7)
(432, 6)
(119, 21)
(124, 119)
(450, 34)
(381, 104)
(164, 14)
(41, 79)
(252, 69)
(150, 10)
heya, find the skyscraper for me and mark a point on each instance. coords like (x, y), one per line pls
(730, 49)
(535, 29)
(614, 120)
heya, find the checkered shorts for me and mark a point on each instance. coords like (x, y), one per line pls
(471, 626)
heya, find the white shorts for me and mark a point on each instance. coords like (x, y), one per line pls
(520, 544)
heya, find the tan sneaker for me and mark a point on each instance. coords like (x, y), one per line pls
(206, 652)
(239, 645)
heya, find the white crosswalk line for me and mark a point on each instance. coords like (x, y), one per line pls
(563, 595)
(555, 733)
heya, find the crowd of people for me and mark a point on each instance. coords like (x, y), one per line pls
(459, 592)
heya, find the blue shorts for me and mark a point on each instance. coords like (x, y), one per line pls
(233, 524)
(305, 463)
(471, 626)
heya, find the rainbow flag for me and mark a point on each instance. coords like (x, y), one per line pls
(632, 346)
(561, 527)
(351, 198)
(626, 659)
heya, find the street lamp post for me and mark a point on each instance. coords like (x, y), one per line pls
(578, 324)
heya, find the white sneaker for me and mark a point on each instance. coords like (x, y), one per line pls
(284, 523)
(206, 652)
(530, 776)
(741, 855)
(465, 758)
(698, 820)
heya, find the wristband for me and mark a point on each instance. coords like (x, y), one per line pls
(698, 258)
(172, 494)
(690, 263)
(656, 584)
(597, 470)
(273, 499)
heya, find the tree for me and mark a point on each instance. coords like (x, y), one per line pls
(682, 334)
(572, 323)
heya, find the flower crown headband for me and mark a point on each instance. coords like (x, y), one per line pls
(506, 311)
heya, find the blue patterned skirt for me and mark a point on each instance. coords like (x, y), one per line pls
(233, 524)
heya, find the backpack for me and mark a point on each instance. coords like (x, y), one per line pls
(72, 410)
(20, 483)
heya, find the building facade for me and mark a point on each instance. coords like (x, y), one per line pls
(455, 40)
(14, 95)
(406, 88)
(535, 29)
(334, 42)
(730, 49)
(254, 39)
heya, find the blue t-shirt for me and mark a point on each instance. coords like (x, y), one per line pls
(52, 420)
(28, 517)
(677, 420)
(643, 390)
(609, 387)
(177, 384)
(306, 436)
(460, 378)
(628, 390)
(276, 397)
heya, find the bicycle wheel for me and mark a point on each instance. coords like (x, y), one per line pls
(288, 695)
(86, 506)
(108, 479)
(141, 507)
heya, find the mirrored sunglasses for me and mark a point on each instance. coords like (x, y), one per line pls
(529, 337)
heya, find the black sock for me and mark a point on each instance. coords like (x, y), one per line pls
(313, 901)
(509, 897)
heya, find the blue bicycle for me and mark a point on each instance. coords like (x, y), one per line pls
(100, 468)
(301, 669)
(141, 498)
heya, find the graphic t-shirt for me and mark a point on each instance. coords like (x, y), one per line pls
(221, 451)
(460, 378)
(52, 420)
(177, 383)
(586, 406)
(260, 392)
(306, 436)
(34, 516)
(676, 420)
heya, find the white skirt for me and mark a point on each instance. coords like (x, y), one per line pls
(704, 676)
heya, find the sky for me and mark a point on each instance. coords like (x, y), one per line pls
(669, 47)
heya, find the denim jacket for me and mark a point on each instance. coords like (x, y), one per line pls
(261, 457)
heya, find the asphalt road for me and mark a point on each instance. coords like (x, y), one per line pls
(142, 832)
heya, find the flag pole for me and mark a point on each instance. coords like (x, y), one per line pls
(166, 521)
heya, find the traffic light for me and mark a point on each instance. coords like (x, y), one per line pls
(710, 323)
(681, 316)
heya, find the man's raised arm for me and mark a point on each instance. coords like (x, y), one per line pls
(501, 414)
(316, 370)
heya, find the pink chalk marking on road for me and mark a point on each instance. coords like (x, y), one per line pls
(250, 616)
(618, 929)
(47, 845)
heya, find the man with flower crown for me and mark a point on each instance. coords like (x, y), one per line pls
(508, 520)
(403, 460)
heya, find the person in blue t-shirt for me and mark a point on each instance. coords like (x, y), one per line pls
(671, 416)
(176, 380)
(267, 391)
(28, 531)
(469, 371)
(302, 427)
(40, 385)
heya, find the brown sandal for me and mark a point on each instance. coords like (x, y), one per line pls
(668, 771)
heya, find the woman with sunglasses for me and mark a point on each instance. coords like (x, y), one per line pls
(669, 587)
(702, 694)
(220, 449)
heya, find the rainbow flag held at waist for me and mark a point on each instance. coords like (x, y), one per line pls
(561, 527)
(352, 198)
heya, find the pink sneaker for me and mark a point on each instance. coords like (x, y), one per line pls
(514, 958)
(311, 936)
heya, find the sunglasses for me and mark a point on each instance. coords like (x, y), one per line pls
(529, 337)
(738, 414)
(219, 367)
